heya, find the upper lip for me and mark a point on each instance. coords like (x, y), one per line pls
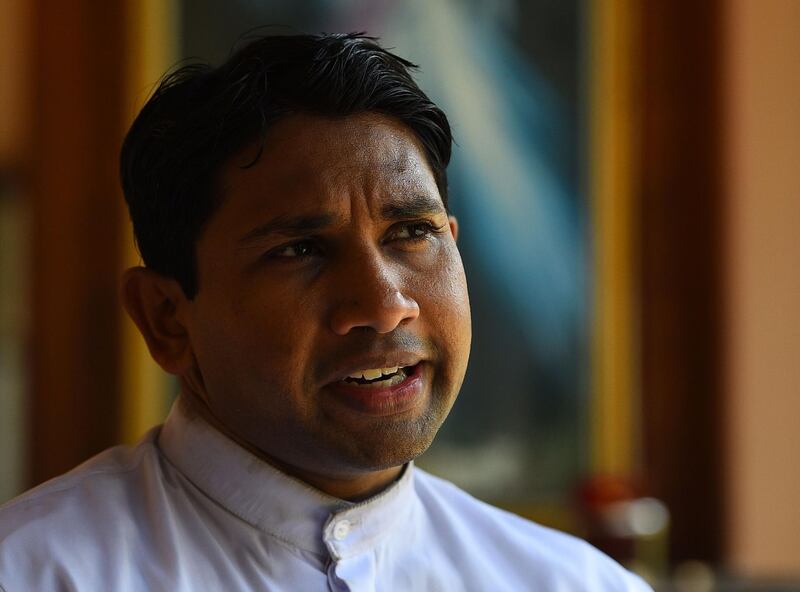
(401, 359)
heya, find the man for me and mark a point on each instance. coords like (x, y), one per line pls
(302, 280)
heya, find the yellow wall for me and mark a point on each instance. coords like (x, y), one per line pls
(615, 392)
(153, 38)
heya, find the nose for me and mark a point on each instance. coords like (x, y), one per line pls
(370, 296)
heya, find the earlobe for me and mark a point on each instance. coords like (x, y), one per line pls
(453, 227)
(154, 302)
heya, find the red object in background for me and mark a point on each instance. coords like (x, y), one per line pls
(599, 501)
(632, 529)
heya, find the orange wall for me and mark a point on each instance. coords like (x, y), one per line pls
(763, 159)
(14, 95)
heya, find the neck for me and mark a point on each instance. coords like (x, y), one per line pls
(354, 488)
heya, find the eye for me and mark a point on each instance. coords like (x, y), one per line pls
(299, 249)
(415, 231)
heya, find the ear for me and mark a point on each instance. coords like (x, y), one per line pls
(158, 305)
(453, 227)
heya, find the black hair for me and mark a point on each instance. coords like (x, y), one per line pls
(200, 116)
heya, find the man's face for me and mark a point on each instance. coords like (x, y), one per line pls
(332, 255)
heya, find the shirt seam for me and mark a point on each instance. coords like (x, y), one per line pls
(232, 512)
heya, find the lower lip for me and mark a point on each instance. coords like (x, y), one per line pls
(382, 401)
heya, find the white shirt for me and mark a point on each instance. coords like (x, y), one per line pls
(187, 509)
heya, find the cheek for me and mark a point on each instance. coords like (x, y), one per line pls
(254, 341)
(276, 328)
(444, 301)
(461, 327)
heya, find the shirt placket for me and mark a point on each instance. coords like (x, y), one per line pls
(352, 567)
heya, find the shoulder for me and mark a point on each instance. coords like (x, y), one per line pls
(76, 518)
(84, 488)
(547, 556)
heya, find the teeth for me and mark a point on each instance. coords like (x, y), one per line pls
(387, 382)
(373, 373)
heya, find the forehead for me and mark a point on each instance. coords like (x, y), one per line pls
(309, 160)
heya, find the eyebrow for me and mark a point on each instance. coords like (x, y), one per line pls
(412, 206)
(289, 226)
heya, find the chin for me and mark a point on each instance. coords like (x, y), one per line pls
(392, 445)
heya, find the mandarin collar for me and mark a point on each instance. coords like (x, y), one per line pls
(274, 502)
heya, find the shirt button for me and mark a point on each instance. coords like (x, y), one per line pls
(341, 530)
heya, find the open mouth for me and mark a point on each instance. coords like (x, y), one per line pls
(379, 377)
(382, 391)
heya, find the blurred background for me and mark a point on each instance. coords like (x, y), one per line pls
(625, 178)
